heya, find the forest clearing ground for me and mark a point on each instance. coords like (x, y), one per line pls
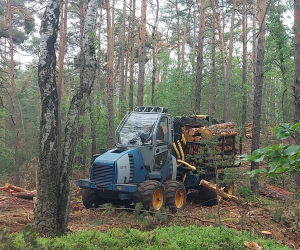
(15, 213)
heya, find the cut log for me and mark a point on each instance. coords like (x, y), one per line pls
(197, 138)
(191, 138)
(15, 188)
(200, 130)
(193, 131)
(25, 195)
(226, 125)
(206, 134)
(267, 234)
(253, 245)
(276, 192)
(228, 197)
(227, 148)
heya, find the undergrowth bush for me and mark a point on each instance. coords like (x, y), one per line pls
(175, 237)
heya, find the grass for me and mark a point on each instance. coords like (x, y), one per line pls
(175, 237)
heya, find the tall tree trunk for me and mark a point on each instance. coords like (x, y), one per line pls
(93, 127)
(4, 98)
(45, 213)
(259, 79)
(110, 77)
(213, 69)
(100, 86)
(254, 45)
(226, 117)
(122, 74)
(78, 101)
(54, 184)
(141, 78)
(62, 51)
(154, 53)
(222, 46)
(81, 131)
(297, 75)
(199, 76)
(245, 68)
(131, 66)
(178, 34)
(13, 95)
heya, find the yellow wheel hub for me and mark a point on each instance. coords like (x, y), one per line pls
(179, 198)
(158, 199)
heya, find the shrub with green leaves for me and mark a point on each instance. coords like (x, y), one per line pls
(281, 157)
(175, 237)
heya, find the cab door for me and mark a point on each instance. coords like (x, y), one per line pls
(162, 143)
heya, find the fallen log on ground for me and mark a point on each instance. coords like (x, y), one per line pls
(25, 195)
(276, 192)
(221, 192)
(8, 187)
(18, 191)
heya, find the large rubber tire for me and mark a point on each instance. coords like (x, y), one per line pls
(175, 195)
(90, 199)
(207, 197)
(151, 194)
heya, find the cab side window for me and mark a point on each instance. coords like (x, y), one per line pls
(162, 134)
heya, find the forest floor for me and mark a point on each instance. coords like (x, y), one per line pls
(281, 218)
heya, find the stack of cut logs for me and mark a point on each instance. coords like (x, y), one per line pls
(226, 131)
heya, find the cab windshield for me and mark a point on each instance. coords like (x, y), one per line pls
(135, 125)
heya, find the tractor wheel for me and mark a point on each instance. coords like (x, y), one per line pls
(151, 194)
(175, 195)
(89, 198)
(208, 197)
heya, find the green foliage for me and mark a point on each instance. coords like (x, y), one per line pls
(281, 157)
(174, 237)
(208, 154)
(7, 161)
(244, 191)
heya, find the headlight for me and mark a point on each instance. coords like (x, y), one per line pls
(85, 183)
(120, 188)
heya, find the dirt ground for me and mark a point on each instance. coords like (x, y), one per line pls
(16, 213)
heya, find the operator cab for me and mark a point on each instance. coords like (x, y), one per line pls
(150, 130)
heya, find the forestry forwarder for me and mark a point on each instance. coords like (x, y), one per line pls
(150, 165)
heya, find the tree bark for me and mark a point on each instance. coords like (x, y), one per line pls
(13, 95)
(254, 44)
(245, 68)
(199, 76)
(78, 101)
(122, 73)
(154, 53)
(81, 131)
(213, 69)
(141, 77)
(101, 87)
(222, 46)
(110, 76)
(4, 98)
(259, 79)
(54, 184)
(226, 116)
(131, 66)
(62, 51)
(45, 213)
(93, 128)
(297, 75)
